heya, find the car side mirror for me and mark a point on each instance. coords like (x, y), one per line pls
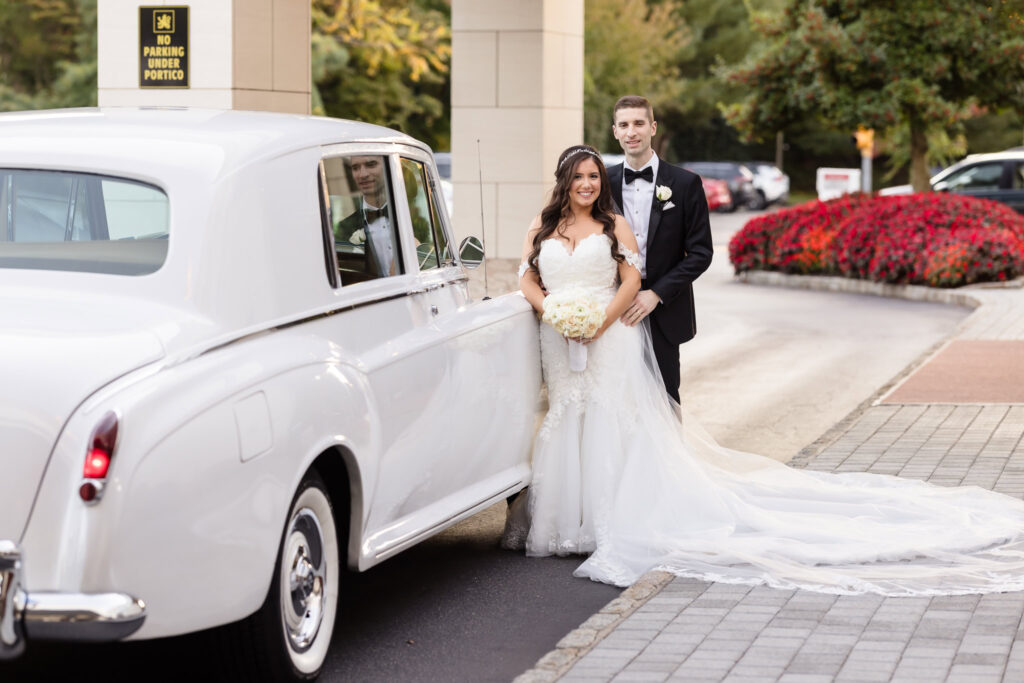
(471, 252)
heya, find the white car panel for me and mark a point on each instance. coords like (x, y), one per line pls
(236, 366)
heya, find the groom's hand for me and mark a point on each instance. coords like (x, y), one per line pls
(643, 303)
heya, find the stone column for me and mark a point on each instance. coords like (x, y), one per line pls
(243, 54)
(517, 86)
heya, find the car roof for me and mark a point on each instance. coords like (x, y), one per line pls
(126, 137)
(1009, 154)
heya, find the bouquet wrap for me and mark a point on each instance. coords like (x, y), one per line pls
(574, 314)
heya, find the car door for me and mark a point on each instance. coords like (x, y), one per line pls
(1014, 192)
(482, 423)
(386, 337)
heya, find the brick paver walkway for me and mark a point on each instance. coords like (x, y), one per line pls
(697, 631)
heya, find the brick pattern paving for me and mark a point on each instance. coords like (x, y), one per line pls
(697, 631)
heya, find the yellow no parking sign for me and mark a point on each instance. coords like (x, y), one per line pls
(163, 47)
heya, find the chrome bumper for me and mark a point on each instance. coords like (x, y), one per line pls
(58, 616)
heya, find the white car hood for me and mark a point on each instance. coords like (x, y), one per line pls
(53, 355)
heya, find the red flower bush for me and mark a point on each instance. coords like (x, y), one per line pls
(941, 240)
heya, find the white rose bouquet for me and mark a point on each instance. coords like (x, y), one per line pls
(574, 314)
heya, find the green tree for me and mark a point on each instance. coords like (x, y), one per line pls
(692, 124)
(47, 54)
(925, 65)
(385, 62)
(631, 48)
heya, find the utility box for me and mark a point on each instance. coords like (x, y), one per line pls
(835, 182)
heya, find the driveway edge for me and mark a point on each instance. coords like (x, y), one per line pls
(583, 638)
(964, 296)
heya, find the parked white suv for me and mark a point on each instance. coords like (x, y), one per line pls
(770, 183)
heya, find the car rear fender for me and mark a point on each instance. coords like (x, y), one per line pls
(184, 520)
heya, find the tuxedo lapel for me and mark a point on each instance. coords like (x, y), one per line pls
(615, 180)
(655, 221)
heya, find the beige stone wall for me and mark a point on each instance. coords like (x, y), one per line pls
(243, 54)
(517, 87)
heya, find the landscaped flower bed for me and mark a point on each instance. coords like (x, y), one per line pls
(941, 240)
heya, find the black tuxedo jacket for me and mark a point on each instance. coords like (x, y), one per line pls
(344, 231)
(679, 247)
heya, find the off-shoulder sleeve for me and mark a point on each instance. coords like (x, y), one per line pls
(523, 267)
(632, 258)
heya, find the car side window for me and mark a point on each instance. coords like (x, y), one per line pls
(360, 211)
(977, 177)
(62, 220)
(432, 249)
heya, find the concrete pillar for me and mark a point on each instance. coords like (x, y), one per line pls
(517, 86)
(243, 54)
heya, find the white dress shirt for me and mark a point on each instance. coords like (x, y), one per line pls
(379, 233)
(637, 198)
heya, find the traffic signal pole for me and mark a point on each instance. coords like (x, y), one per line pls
(865, 138)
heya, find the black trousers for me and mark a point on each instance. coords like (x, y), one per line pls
(666, 352)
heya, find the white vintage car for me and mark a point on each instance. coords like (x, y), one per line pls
(237, 352)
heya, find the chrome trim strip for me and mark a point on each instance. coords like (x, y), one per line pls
(338, 309)
(386, 550)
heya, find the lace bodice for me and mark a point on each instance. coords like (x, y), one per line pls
(590, 265)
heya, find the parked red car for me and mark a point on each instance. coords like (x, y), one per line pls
(717, 193)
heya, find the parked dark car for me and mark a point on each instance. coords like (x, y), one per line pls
(998, 176)
(737, 176)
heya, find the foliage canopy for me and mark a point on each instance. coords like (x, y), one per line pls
(925, 65)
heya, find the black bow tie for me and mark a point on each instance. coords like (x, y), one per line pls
(646, 174)
(374, 214)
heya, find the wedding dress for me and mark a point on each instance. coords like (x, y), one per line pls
(617, 476)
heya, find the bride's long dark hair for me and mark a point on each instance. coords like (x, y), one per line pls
(555, 216)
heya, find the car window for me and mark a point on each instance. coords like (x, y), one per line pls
(360, 210)
(977, 177)
(56, 220)
(432, 247)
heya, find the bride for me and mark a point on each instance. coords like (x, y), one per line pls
(617, 477)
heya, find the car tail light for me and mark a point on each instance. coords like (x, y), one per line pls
(97, 459)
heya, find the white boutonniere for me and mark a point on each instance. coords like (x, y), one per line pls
(663, 193)
(358, 237)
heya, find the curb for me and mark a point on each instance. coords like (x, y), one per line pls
(959, 297)
(582, 639)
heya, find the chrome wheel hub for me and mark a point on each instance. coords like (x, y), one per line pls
(304, 572)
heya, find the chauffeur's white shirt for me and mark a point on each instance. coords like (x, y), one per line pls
(637, 198)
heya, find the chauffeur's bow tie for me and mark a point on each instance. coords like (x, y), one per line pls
(646, 174)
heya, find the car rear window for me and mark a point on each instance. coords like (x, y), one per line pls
(58, 220)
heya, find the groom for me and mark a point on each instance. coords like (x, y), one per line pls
(666, 208)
